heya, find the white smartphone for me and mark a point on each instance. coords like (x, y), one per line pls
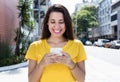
(56, 51)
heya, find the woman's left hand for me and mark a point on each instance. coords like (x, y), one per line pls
(65, 59)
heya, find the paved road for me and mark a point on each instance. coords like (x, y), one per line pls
(102, 65)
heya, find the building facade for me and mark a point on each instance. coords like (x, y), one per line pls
(107, 19)
(115, 19)
(39, 9)
(8, 20)
(104, 19)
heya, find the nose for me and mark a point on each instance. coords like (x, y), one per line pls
(57, 25)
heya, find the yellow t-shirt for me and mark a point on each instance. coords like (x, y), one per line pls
(56, 72)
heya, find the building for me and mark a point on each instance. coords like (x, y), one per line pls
(107, 21)
(115, 19)
(8, 20)
(39, 9)
(104, 19)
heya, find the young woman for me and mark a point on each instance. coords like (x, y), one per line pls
(46, 66)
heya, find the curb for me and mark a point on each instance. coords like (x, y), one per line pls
(6, 68)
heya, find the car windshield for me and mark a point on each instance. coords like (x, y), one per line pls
(104, 41)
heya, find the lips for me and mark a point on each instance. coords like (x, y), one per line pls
(56, 31)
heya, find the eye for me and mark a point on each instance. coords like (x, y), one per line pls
(61, 22)
(52, 22)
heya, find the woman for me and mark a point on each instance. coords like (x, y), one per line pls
(57, 32)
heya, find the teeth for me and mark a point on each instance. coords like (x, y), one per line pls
(56, 30)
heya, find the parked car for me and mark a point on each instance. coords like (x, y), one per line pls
(107, 45)
(101, 42)
(83, 40)
(88, 43)
(115, 44)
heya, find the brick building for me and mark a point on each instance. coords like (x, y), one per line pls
(8, 20)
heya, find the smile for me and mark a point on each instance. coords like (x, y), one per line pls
(57, 31)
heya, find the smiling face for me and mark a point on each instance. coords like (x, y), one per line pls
(56, 24)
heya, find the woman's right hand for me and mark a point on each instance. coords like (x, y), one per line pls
(48, 58)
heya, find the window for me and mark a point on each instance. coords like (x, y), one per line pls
(114, 17)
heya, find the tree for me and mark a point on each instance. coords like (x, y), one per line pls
(85, 18)
(93, 15)
(26, 22)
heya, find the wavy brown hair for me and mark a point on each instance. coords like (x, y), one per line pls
(67, 18)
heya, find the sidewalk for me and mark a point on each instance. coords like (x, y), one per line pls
(14, 73)
(11, 67)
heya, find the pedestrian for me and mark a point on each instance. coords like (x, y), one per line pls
(45, 63)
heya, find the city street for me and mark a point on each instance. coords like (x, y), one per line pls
(102, 65)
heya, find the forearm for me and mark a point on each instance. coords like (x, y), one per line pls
(78, 74)
(35, 75)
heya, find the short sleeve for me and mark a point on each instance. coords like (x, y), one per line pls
(31, 52)
(81, 55)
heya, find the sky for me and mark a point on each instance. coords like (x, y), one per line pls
(69, 4)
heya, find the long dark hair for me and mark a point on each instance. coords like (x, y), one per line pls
(67, 18)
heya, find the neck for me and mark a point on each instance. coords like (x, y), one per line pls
(56, 39)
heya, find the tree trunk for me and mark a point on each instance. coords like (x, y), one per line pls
(17, 49)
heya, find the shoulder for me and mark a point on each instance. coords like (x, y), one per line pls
(77, 41)
(38, 42)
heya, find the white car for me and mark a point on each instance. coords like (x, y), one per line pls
(115, 44)
(101, 42)
(88, 43)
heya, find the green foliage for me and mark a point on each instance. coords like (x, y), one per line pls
(13, 59)
(92, 10)
(85, 18)
(5, 50)
(25, 14)
(24, 8)
(90, 15)
(26, 23)
(7, 57)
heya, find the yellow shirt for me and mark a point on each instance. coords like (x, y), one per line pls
(56, 72)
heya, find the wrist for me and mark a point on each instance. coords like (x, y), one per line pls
(73, 67)
(41, 65)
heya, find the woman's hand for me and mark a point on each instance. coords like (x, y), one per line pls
(49, 58)
(65, 59)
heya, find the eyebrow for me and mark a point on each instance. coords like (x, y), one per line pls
(59, 20)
